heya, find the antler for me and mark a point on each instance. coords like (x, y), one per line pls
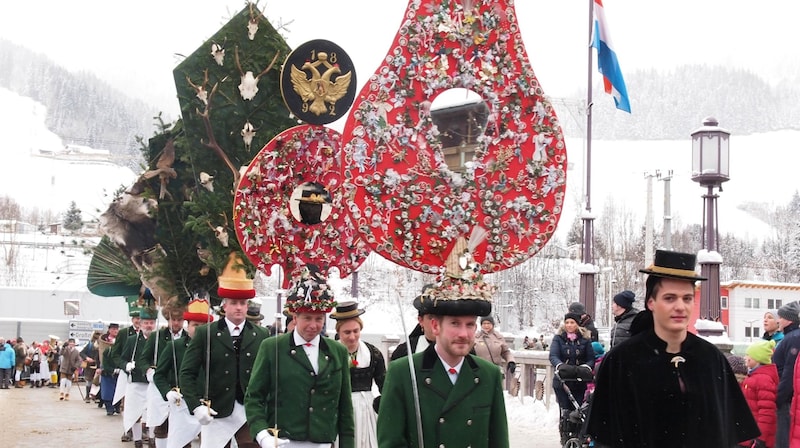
(212, 141)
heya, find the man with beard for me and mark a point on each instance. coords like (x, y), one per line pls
(461, 401)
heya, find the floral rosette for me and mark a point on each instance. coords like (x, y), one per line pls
(406, 202)
(268, 231)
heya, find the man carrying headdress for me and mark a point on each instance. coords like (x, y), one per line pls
(184, 428)
(147, 359)
(457, 397)
(666, 387)
(218, 363)
(299, 393)
(136, 389)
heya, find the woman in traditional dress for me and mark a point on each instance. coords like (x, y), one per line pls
(367, 366)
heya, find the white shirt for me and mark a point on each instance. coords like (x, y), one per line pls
(422, 344)
(232, 327)
(310, 347)
(452, 371)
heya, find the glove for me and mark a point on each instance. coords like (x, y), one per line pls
(267, 441)
(584, 372)
(116, 372)
(149, 374)
(204, 414)
(173, 396)
(566, 371)
(130, 366)
(512, 367)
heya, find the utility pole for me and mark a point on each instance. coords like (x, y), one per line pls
(648, 222)
(667, 208)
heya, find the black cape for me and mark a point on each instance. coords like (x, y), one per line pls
(638, 401)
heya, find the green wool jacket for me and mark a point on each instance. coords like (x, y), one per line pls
(131, 349)
(147, 356)
(222, 371)
(471, 412)
(119, 344)
(310, 407)
(169, 365)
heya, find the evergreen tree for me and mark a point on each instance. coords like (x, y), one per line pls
(73, 221)
(192, 216)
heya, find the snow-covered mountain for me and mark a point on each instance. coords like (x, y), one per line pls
(38, 171)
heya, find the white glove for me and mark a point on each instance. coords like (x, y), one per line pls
(265, 440)
(116, 371)
(204, 414)
(173, 396)
(130, 366)
(149, 374)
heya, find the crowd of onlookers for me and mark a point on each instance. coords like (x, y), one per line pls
(38, 364)
(34, 365)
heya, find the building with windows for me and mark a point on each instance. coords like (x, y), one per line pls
(744, 302)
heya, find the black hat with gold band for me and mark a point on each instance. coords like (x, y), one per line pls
(347, 310)
(669, 264)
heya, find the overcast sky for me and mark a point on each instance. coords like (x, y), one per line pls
(133, 45)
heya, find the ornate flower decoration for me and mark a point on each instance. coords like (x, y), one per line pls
(406, 201)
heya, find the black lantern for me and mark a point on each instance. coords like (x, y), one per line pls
(710, 154)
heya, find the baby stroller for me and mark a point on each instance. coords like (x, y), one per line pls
(572, 421)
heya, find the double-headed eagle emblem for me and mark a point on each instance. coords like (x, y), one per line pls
(319, 90)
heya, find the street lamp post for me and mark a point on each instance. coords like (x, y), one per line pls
(710, 168)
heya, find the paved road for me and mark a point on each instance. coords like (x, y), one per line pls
(35, 418)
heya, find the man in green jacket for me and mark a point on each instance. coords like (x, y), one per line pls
(461, 400)
(165, 377)
(218, 363)
(300, 387)
(136, 390)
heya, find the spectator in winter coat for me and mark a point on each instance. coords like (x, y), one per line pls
(491, 346)
(760, 388)
(624, 312)
(772, 328)
(784, 359)
(7, 360)
(572, 355)
(586, 320)
(69, 368)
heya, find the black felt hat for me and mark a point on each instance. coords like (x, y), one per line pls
(669, 264)
(347, 310)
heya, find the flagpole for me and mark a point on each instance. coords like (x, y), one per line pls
(587, 290)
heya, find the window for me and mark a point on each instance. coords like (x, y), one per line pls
(748, 302)
(723, 302)
(752, 332)
(756, 302)
(774, 304)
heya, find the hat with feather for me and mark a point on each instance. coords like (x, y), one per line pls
(310, 293)
(462, 291)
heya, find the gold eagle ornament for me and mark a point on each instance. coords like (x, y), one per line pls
(319, 90)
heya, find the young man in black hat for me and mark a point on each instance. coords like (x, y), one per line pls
(460, 396)
(667, 387)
